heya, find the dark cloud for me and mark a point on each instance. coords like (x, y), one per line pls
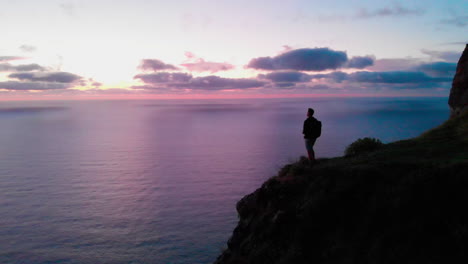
(155, 65)
(32, 86)
(394, 11)
(284, 85)
(6, 67)
(438, 69)
(391, 77)
(177, 81)
(10, 58)
(55, 77)
(286, 77)
(394, 77)
(164, 77)
(459, 21)
(206, 66)
(452, 56)
(360, 62)
(317, 59)
(27, 48)
(218, 83)
(319, 87)
(334, 76)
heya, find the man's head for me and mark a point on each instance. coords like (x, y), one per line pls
(310, 112)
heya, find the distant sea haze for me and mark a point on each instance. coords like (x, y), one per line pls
(157, 181)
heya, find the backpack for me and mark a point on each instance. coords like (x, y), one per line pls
(316, 128)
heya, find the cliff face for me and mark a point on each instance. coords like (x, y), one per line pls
(354, 215)
(458, 99)
(405, 203)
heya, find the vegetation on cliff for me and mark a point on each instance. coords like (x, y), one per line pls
(403, 203)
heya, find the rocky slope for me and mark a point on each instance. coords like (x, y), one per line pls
(458, 99)
(405, 203)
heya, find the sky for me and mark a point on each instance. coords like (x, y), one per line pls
(63, 49)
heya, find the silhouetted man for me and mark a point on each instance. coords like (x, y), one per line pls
(311, 130)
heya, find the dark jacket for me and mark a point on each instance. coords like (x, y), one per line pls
(308, 124)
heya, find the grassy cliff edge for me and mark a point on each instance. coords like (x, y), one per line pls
(405, 203)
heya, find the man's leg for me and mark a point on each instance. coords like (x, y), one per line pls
(310, 149)
(311, 154)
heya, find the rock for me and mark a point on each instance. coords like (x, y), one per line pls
(458, 100)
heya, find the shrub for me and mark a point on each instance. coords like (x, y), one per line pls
(363, 145)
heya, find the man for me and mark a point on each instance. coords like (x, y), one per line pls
(311, 130)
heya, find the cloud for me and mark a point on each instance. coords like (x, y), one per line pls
(394, 77)
(360, 62)
(438, 69)
(27, 48)
(286, 77)
(452, 56)
(318, 59)
(390, 77)
(164, 77)
(32, 86)
(177, 81)
(456, 20)
(195, 64)
(394, 11)
(206, 66)
(400, 64)
(218, 83)
(155, 65)
(55, 77)
(6, 67)
(10, 58)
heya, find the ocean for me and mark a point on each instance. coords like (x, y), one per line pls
(148, 181)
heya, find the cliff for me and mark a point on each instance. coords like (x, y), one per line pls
(458, 99)
(405, 203)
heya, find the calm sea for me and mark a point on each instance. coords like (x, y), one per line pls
(157, 181)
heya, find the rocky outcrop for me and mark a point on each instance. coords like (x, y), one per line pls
(458, 100)
(305, 215)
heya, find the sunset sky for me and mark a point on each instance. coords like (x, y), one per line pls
(54, 49)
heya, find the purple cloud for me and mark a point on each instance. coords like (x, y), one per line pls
(21, 68)
(155, 65)
(318, 59)
(218, 83)
(57, 77)
(164, 77)
(390, 77)
(438, 69)
(394, 77)
(32, 86)
(360, 62)
(177, 81)
(286, 77)
(206, 66)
